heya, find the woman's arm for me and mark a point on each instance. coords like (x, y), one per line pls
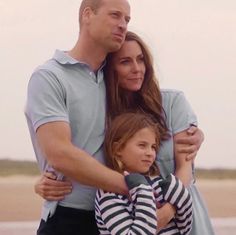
(191, 143)
(183, 167)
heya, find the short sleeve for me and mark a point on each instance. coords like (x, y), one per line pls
(180, 115)
(45, 99)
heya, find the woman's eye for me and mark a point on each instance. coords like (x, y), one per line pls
(141, 59)
(124, 62)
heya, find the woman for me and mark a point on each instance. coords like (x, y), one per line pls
(132, 86)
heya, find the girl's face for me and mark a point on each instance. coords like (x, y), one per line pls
(139, 152)
(129, 65)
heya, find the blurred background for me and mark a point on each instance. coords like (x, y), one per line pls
(194, 48)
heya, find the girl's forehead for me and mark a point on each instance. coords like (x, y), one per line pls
(145, 132)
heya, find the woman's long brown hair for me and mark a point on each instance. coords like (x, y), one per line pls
(147, 100)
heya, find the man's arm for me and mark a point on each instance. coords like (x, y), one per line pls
(54, 139)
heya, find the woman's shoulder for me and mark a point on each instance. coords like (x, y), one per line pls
(171, 92)
(172, 96)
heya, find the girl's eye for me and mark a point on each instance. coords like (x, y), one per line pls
(141, 145)
(154, 147)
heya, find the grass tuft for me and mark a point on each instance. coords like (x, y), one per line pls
(11, 167)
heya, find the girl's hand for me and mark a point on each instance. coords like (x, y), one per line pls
(164, 215)
(51, 189)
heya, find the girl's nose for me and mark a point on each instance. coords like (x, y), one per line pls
(150, 152)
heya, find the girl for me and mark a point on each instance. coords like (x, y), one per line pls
(131, 144)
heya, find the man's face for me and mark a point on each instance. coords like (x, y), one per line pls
(108, 24)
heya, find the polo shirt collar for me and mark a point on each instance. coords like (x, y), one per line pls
(63, 58)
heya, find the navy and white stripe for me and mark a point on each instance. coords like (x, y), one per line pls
(118, 214)
(172, 190)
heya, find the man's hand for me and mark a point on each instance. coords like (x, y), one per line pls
(51, 189)
(190, 144)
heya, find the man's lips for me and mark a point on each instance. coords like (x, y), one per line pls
(119, 36)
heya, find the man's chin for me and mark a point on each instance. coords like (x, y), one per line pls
(115, 46)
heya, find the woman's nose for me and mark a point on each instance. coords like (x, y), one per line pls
(136, 66)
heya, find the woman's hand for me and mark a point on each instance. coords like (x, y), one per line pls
(191, 143)
(164, 215)
(51, 189)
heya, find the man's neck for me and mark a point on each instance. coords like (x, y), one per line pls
(87, 52)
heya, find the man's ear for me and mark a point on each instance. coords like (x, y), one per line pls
(87, 13)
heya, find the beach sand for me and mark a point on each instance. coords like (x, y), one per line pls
(20, 203)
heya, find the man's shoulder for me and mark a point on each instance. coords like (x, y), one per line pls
(49, 65)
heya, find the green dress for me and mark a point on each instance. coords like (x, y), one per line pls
(179, 117)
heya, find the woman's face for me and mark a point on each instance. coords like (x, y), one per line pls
(129, 65)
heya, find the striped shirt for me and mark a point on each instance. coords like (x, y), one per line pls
(136, 214)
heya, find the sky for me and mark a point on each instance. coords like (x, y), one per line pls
(194, 47)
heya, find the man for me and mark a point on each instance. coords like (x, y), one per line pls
(65, 112)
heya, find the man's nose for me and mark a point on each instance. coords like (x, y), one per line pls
(123, 24)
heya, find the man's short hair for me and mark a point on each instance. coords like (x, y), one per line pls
(93, 4)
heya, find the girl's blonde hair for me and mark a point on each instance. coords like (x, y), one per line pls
(121, 129)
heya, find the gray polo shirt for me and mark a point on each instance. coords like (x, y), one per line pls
(64, 89)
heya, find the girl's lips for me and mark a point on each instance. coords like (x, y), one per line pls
(147, 161)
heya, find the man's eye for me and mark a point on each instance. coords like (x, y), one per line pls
(114, 14)
(127, 20)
